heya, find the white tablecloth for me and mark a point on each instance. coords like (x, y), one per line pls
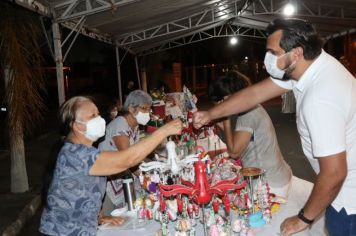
(298, 194)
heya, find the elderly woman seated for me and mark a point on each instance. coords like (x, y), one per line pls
(121, 133)
(75, 194)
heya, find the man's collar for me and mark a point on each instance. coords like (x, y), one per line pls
(308, 75)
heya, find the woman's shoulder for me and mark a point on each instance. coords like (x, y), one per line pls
(253, 118)
(260, 110)
(257, 112)
(77, 149)
(77, 155)
(119, 122)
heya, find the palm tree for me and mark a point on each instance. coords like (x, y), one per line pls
(21, 56)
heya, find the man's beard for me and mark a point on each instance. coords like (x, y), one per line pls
(288, 71)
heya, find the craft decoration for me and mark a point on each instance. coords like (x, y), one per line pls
(173, 164)
(255, 217)
(190, 99)
(201, 191)
(175, 105)
(181, 188)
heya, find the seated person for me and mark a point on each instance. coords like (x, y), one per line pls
(113, 110)
(253, 137)
(74, 197)
(121, 133)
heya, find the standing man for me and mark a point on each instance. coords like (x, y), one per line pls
(325, 93)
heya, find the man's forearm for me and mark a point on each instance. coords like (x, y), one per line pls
(325, 190)
(333, 171)
(233, 105)
(246, 99)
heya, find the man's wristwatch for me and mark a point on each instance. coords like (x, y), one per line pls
(303, 218)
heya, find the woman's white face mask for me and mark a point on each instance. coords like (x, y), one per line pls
(113, 114)
(270, 62)
(142, 118)
(95, 128)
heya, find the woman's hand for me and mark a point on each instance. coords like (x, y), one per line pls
(111, 220)
(173, 127)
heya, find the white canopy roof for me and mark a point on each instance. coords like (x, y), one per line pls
(148, 26)
(144, 26)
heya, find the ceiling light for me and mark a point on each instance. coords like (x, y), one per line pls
(233, 40)
(288, 9)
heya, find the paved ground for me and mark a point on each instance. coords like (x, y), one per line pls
(37, 151)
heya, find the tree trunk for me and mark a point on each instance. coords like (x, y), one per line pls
(21, 55)
(19, 180)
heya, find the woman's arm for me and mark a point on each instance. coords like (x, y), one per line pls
(122, 142)
(109, 163)
(236, 141)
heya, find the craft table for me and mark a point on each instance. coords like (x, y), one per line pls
(298, 194)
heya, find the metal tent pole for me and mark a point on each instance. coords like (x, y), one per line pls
(118, 66)
(144, 79)
(59, 62)
(138, 73)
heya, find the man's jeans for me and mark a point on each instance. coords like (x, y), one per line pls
(339, 223)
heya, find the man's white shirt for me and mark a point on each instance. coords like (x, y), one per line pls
(326, 119)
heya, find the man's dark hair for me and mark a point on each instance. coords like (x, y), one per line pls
(226, 85)
(297, 33)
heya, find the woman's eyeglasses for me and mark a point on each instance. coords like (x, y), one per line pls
(146, 109)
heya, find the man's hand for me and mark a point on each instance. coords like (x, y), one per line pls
(200, 118)
(292, 225)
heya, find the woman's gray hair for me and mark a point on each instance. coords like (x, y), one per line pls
(68, 113)
(137, 98)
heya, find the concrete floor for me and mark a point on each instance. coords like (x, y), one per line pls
(38, 149)
(289, 142)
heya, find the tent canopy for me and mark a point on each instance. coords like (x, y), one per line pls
(143, 26)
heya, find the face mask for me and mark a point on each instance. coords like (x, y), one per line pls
(113, 114)
(272, 68)
(142, 118)
(95, 128)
